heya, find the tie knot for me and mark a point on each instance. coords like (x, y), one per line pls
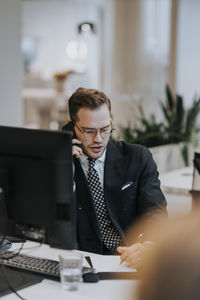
(91, 162)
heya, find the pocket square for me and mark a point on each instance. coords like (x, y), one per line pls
(126, 185)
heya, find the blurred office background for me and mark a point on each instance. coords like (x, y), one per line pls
(130, 49)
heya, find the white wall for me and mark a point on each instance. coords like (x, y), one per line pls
(188, 50)
(11, 106)
(138, 57)
(53, 24)
(127, 55)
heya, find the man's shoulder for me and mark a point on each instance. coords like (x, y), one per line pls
(126, 148)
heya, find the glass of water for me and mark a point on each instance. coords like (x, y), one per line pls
(70, 265)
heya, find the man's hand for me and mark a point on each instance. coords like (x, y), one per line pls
(135, 254)
(76, 150)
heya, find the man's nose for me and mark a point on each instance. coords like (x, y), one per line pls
(97, 137)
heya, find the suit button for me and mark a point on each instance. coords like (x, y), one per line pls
(79, 208)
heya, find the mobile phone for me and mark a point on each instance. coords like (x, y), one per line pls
(70, 127)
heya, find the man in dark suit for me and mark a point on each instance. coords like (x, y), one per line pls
(115, 182)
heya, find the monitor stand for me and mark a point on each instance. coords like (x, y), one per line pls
(3, 210)
(4, 243)
(6, 240)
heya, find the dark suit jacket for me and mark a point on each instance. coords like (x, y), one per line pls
(125, 165)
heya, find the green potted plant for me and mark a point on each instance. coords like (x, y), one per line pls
(179, 125)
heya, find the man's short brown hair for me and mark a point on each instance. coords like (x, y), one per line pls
(89, 98)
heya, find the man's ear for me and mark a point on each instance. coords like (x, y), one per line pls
(112, 123)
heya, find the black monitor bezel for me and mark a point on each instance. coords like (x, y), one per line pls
(50, 153)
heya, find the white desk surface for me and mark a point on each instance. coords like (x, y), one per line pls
(104, 289)
(177, 181)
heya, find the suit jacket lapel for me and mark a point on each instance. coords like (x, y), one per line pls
(114, 172)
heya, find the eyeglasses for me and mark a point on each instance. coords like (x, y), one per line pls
(90, 133)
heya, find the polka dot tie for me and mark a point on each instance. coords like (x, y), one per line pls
(110, 236)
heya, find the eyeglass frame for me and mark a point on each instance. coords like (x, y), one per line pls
(94, 131)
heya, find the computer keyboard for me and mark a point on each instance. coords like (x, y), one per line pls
(46, 267)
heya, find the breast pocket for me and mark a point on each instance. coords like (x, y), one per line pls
(128, 193)
(128, 205)
(128, 187)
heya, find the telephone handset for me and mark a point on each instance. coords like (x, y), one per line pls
(70, 127)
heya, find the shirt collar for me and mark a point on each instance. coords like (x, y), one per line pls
(83, 158)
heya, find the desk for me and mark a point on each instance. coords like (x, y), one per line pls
(51, 290)
(176, 186)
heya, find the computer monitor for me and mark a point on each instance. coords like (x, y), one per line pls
(36, 178)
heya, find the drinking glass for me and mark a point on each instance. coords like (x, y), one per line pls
(70, 265)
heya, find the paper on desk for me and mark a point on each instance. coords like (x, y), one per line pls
(109, 263)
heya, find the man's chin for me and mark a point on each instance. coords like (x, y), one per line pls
(93, 154)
